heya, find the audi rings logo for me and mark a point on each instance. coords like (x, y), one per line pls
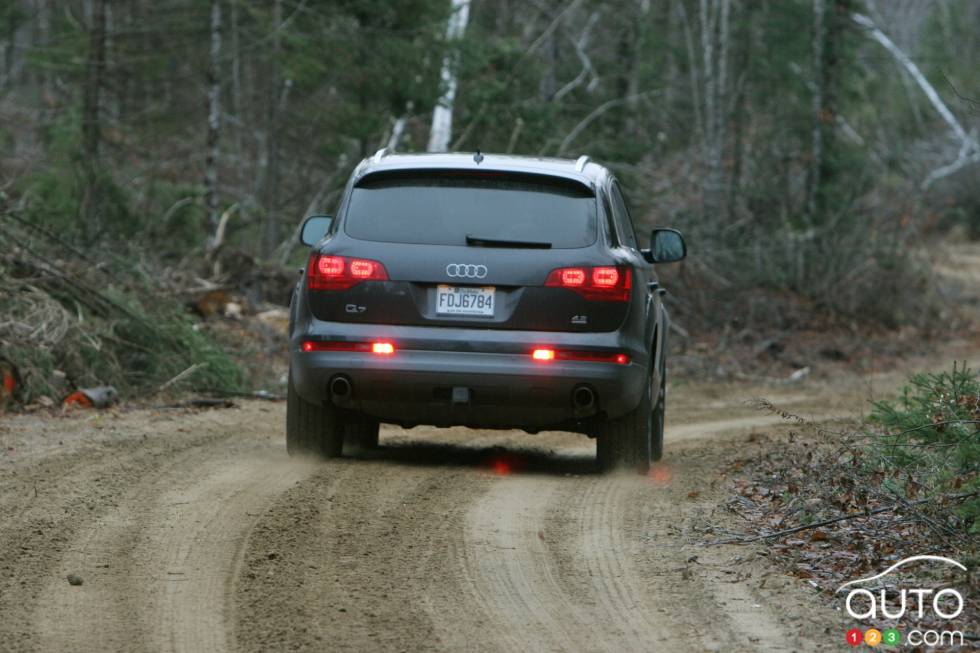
(466, 271)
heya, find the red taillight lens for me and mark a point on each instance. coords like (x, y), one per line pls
(545, 355)
(361, 269)
(605, 277)
(329, 345)
(330, 266)
(603, 284)
(571, 277)
(379, 348)
(341, 272)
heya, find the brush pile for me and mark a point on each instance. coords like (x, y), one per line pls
(71, 318)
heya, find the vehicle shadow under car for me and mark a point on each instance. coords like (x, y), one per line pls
(495, 459)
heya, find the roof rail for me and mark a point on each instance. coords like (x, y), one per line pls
(581, 162)
(380, 154)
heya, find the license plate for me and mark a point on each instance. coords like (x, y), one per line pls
(463, 300)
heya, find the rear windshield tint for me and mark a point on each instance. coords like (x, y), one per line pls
(443, 208)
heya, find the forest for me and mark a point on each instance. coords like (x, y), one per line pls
(157, 158)
(810, 150)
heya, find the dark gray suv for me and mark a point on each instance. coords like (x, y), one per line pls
(484, 291)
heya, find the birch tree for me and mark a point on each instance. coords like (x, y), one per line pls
(442, 116)
(214, 119)
(969, 151)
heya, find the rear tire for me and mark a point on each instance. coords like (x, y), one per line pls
(657, 430)
(362, 433)
(625, 442)
(311, 429)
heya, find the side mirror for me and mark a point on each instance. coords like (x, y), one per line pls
(314, 229)
(666, 246)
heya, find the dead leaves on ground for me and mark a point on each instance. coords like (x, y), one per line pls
(782, 486)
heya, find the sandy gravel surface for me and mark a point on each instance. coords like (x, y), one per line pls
(193, 531)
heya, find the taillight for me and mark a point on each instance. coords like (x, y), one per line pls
(378, 348)
(543, 355)
(603, 283)
(342, 272)
(571, 277)
(382, 348)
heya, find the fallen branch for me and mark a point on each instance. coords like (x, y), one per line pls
(920, 428)
(834, 520)
(943, 532)
(201, 402)
(180, 377)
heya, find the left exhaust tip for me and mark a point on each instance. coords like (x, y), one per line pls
(340, 388)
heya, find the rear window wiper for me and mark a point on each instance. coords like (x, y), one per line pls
(480, 241)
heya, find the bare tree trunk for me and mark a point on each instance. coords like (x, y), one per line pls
(588, 70)
(44, 40)
(91, 126)
(739, 114)
(640, 29)
(110, 100)
(819, 124)
(714, 46)
(13, 53)
(236, 75)
(442, 115)
(515, 133)
(398, 128)
(828, 83)
(214, 119)
(271, 239)
(692, 65)
(549, 80)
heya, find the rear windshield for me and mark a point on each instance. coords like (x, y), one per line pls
(443, 208)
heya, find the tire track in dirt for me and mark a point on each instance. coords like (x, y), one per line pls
(64, 475)
(413, 555)
(445, 539)
(506, 570)
(344, 559)
(160, 564)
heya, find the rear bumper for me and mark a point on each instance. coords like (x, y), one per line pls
(507, 389)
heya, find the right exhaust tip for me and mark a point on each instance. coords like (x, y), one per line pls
(583, 397)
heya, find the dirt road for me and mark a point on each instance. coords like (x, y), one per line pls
(194, 531)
